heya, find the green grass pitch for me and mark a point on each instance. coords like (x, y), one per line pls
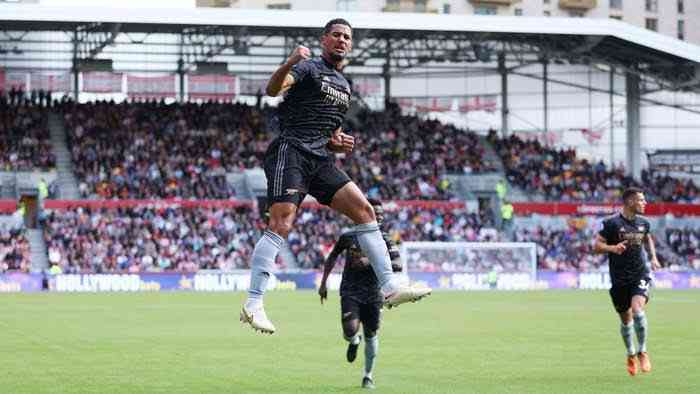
(475, 342)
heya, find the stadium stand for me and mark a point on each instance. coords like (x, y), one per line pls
(152, 150)
(14, 246)
(559, 175)
(24, 138)
(160, 151)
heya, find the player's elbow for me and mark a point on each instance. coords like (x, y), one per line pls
(598, 248)
(271, 91)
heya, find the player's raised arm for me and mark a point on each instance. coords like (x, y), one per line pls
(651, 249)
(281, 80)
(328, 265)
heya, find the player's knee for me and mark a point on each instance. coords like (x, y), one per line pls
(365, 213)
(281, 221)
(637, 308)
(350, 329)
(369, 333)
(281, 228)
(626, 317)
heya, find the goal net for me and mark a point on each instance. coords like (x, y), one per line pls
(515, 259)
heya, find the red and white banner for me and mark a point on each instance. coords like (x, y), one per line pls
(16, 79)
(487, 103)
(211, 87)
(55, 82)
(102, 82)
(150, 87)
(586, 209)
(252, 86)
(434, 104)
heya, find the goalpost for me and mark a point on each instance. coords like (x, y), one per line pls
(471, 257)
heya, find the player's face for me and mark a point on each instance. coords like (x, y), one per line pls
(379, 213)
(637, 203)
(337, 43)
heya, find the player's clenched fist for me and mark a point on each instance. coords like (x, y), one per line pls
(300, 53)
(619, 248)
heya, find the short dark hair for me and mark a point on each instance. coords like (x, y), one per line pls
(374, 202)
(336, 21)
(630, 192)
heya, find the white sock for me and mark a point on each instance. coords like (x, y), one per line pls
(261, 266)
(374, 246)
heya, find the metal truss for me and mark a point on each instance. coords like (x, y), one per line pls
(384, 52)
(90, 39)
(205, 43)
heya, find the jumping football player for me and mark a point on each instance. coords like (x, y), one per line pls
(301, 160)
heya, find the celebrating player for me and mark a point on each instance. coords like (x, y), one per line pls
(360, 297)
(622, 237)
(301, 161)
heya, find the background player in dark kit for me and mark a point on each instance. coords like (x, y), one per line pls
(360, 297)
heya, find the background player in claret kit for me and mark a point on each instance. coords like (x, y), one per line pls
(622, 237)
(301, 161)
(360, 297)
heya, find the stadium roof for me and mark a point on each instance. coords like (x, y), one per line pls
(411, 39)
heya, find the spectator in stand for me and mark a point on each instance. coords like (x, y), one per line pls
(316, 229)
(153, 150)
(14, 247)
(150, 238)
(559, 175)
(408, 157)
(25, 139)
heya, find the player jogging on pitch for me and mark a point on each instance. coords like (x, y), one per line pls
(622, 237)
(301, 161)
(360, 297)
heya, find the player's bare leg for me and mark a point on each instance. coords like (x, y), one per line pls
(350, 201)
(263, 265)
(640, 327)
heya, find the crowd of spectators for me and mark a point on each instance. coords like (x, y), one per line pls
(151, 238)
(25, 141)
(317, 230)
(669, 189)
(559, 175)
(14, 245)
(683, 247)
(407, 157)
(568, 248)
(161, 238)
(154, 150)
